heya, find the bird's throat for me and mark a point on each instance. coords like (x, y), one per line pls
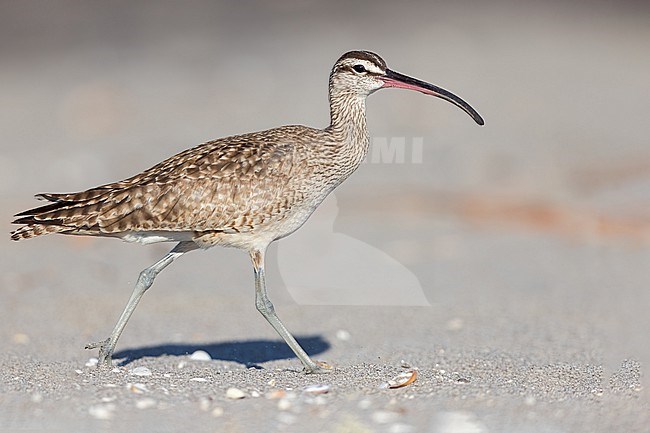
(348, 124)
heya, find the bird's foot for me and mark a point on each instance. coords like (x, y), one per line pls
(318, 367)
(105, 352)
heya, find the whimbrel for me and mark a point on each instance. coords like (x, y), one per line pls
(244, 191)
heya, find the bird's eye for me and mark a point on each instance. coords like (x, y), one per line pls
(359, 68)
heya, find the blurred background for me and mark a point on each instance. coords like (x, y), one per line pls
(534, 225)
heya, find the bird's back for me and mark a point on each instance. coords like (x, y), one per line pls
(233, 185)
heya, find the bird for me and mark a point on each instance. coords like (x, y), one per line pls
(242, 191)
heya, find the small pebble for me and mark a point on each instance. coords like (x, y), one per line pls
(455, 324)
(255, 394)
(181, 364)
(284, 404)
(137, 388)
(217, 412)
(140, 371)
(316, 389)
(145, 403)
(198, 379)
(20, 338)
(343, 335)
(102, 411)
(92, 362)
(78, 371)
(235, 393)
(403, 379)
(272, 395)
(205, 403)
(200, 355)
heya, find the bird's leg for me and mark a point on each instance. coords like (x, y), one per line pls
(145, 280)
(264, 306)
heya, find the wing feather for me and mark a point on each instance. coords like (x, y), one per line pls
(234, 183)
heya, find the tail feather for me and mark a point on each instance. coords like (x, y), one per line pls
(48, 218)
(31, 231)
(84, 196)
(41, 209)
(115, 207)
(92, 212)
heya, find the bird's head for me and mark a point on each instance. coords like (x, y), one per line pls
(362, 73)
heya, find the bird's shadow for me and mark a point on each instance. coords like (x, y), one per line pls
(249, 353)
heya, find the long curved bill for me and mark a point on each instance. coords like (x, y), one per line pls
(401, 81)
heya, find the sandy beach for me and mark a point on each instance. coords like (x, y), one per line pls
(504, 267)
